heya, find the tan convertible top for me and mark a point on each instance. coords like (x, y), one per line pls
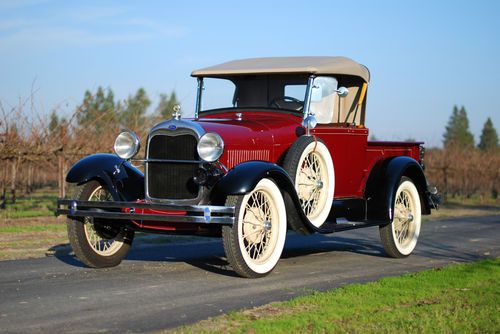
(313, 65)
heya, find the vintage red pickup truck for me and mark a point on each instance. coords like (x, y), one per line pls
(276, 144)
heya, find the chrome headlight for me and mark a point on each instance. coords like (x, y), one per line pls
(127, 145)
(210, 147)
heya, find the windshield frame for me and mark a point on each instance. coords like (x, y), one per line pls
(201, 87)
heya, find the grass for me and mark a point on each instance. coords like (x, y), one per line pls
(40, 203)
(29, 228)
(456, 299)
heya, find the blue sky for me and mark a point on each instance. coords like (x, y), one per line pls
(424, 56)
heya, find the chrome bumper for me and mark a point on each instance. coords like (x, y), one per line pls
(200, 214)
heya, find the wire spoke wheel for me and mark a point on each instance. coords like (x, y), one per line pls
(104, 240)
(254, 243)
(403, 216)
(400, 237)
(310, 184)
(309, 164)
(257, 228)
(95, 243)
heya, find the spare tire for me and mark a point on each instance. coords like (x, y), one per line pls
(310, 166)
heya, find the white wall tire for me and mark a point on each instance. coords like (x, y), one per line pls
(400, 237)
(310, 166)
(96, 245)
(254, 244)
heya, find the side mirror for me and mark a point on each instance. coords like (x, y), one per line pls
(342, 91)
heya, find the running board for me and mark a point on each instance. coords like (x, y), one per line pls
(332, 227)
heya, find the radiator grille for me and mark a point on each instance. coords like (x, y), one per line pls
(172, 180)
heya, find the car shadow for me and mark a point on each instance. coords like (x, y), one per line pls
(209, 255)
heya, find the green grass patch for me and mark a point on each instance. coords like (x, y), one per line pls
(456, 299)
(32, 228)
(40, 203)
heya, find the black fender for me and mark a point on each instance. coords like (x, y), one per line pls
(243, 178)
(124, 181)
(382, 185)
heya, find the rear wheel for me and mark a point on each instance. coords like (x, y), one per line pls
(97, 245)
(399, 238)
(254, 244)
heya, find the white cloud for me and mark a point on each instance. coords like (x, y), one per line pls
(14, 24)
(14, 4)
(93, 14)
(153, 27)
(81, 27)
(49, 37)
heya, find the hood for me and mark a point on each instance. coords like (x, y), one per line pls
(253, 135)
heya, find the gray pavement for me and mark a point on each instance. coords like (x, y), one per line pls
(164, 286)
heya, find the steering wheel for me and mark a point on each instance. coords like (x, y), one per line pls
(287, 102)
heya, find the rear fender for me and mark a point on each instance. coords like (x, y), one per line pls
(124, 181)
(383, 182)
(243, 178)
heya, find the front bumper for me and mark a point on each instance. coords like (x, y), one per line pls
(140, 211)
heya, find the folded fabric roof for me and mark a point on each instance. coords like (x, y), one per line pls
(282, 65)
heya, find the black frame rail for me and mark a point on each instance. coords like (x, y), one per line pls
(199, 214)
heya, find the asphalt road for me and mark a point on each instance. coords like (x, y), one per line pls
(164, 286)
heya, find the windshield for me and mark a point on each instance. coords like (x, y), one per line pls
(280, 92)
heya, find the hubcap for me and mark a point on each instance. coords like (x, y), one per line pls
(267, 225)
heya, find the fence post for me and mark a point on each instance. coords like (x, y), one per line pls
(61, 171)
(4, 188)
(15, 163)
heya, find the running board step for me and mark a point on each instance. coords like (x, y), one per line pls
(331, 227)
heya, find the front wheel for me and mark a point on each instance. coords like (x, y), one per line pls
(254, 244)
(97, 245)
(399, 238)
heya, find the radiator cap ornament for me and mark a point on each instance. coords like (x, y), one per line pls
(177, 112)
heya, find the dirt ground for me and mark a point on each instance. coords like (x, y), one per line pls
(18, 241)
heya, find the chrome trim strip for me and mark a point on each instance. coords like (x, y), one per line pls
(172, 127)
(171, 161)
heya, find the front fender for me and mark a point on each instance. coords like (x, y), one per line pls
(124, 181)
(383, 182)
(244, 177)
